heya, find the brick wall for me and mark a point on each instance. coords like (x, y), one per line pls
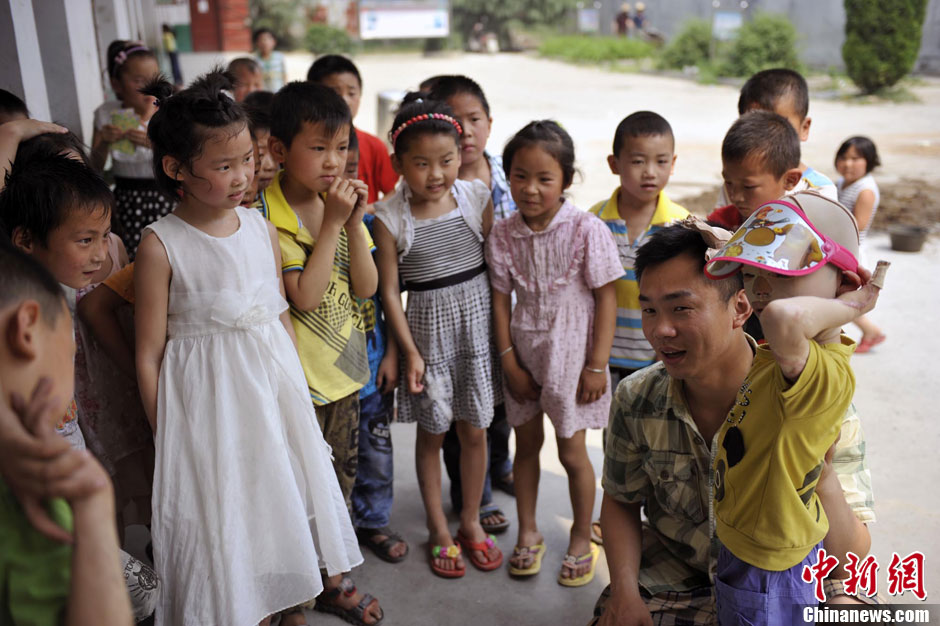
(221, 25)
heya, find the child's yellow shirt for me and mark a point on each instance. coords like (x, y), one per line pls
(767, 512)
(331, 340)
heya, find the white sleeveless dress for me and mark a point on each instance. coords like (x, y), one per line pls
(246, 506)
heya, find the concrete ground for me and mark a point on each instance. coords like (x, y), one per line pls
(895, 383)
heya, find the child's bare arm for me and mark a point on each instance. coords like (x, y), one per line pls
(789, 324)
(152, 287)
(363, 277)
(98, 594)
(306, 288)
(391, 303)
(864, 208)
(98, 311)
(520, 382)
(593, 384)
(276, 249)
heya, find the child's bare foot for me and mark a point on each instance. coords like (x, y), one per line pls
(293, 618)
(340, 597)
(447, 561)
(526, 539)
(472, 532)
(578, 547)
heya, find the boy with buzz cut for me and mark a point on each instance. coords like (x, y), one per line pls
(375, 166)
(797, 258)
(785, 93)
(760, 162)
(58, 211)
(326, 260)
(326, 255)
(44, 579)
(644, 158)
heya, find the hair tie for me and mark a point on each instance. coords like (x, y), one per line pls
(423, 117)
(121, 56)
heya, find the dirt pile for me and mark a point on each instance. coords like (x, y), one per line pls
(907, 201)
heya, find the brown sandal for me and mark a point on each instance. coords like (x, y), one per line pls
(353, 615)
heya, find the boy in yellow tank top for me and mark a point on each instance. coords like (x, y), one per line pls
(798, 261)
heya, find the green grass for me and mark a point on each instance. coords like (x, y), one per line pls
(589, 49)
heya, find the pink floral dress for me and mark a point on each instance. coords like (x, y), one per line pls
(554, 273)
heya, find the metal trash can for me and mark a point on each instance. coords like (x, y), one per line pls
(385, 113)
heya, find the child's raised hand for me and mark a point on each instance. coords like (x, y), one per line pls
(36, 462)
(340, 200)
(521, 385)
(27, 129)
(414, 373)
(591, 386)
(865, 297)
(362, 198)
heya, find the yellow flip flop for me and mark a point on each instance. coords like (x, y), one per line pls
(572, 562)
(536, 552)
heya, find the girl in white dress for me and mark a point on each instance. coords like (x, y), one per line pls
(246, 506)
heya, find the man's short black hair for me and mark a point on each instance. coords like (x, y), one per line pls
(676, 240)
(23, 277)
(640, 124)
(764, 90)
(41, 191)
(765, 135)
(11, 104)
(300, 102)
(330, 64)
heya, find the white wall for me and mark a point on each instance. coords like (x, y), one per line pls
(21, 71)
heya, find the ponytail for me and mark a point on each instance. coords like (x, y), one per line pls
(185, 121)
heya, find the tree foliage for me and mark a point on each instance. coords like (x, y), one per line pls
(763, 42)
(689, 47)
(279, 16)
(496, 15)
(882, 40)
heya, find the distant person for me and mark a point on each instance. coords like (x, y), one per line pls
(786, 93)
(858, 192)
(169, 46)
(248, 77)
(272, 62)
(639, 18)
(623, 22)
(375, 167)
(121, 134)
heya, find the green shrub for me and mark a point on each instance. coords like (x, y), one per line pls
(690, 47)
(324, 39)
(763, 42)
(882, 39)
(589, 49)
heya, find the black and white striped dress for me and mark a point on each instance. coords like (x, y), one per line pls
(450, 317)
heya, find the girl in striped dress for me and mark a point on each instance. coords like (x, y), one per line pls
(429, 235)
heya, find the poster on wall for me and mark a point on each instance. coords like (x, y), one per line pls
(404, 19)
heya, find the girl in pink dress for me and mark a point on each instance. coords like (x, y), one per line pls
(562, 263)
